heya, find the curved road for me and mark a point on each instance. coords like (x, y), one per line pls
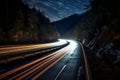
(63, 64)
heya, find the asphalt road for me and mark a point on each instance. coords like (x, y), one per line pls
(68, 68)
(63, 64)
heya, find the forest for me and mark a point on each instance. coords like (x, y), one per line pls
(21, 24)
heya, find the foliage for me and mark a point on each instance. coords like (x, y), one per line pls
(21, 24)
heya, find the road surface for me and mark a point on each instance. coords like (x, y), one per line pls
(63, 64)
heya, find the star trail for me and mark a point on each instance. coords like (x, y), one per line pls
(59, 9)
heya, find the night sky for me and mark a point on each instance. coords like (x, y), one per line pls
(58, 9)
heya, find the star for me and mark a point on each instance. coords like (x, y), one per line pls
(58, 9)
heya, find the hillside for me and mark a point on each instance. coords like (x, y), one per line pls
(67, 23)
(78, 26)
(85, 28)
(20, 24)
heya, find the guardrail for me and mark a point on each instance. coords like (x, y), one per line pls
(86, 65)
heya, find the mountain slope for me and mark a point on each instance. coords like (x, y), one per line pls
(85, 29)
(67, 23)
(78, 26)
(20, 24)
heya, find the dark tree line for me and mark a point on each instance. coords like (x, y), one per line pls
(20, 24)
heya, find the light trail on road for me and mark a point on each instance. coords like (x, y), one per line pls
(6, 50)
(36, 68)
